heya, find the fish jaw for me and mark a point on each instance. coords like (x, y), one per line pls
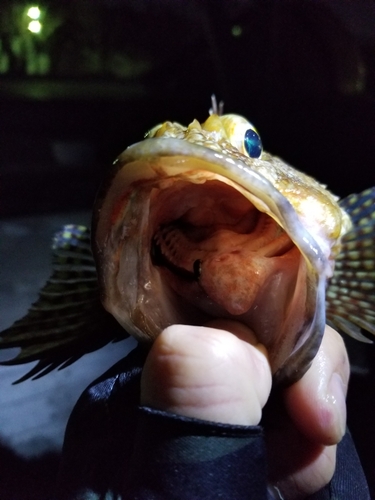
(150, 190)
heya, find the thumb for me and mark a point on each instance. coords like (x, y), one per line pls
(207, 373)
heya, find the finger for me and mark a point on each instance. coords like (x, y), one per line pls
(301, 438)
(297, 466)
(206, 373)
(240, 330)
(316, 403)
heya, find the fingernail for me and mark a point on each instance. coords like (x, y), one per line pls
(336, 396)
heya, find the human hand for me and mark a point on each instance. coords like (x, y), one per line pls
(220, 373)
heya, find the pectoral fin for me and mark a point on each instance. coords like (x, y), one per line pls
(68, 319)
(350, 295)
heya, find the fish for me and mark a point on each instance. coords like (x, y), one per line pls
(196, 223)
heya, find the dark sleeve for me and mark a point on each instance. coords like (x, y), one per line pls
(98, 439)
(349, 481)
(184, 458)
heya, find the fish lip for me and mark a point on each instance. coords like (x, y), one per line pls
(242, 174)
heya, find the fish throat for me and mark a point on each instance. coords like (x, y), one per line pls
(224, 258)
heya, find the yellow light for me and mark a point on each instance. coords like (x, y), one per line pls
(34, 26)
(34, 12)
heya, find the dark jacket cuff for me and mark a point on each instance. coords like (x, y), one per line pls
(189, 458)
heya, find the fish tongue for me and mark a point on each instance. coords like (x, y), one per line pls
(233, 281)
(234, 277)
(242, 285)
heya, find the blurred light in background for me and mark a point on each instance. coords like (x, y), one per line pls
(34, 26)
(33, 12)
(236, 30)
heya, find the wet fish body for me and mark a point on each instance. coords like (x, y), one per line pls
(196, 223)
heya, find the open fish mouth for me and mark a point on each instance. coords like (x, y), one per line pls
(185, 234)
(226, 258)
(197, 223)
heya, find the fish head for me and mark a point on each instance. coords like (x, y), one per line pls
(198, 223)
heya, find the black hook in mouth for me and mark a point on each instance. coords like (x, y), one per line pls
(160, 260)
(197, 269)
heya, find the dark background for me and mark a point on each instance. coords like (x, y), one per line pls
(101, 73)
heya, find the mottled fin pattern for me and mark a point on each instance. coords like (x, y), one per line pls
(351, 291)
(68, 320)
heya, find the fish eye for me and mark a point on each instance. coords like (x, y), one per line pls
(252, 143)
(243, 135)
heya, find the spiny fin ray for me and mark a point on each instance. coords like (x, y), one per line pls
(350, 297)
(68, 320)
